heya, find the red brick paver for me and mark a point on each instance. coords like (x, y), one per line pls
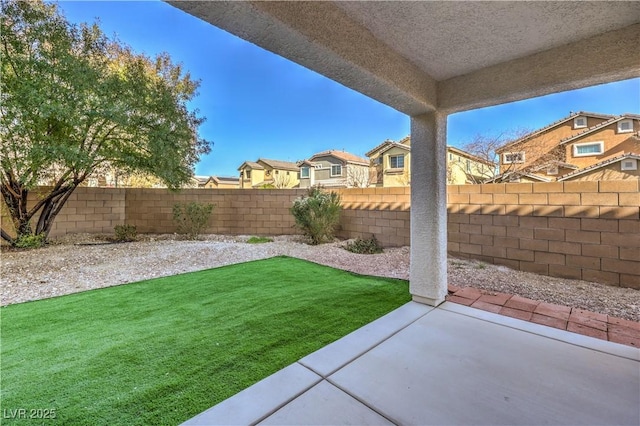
(522, 304)
(553, 310)
(576, 320)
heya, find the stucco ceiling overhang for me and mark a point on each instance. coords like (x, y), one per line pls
(454, 56)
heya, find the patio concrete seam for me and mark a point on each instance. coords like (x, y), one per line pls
(295, 396)
(367, 349)
(548, 336)
(375, 345)
(375, 410)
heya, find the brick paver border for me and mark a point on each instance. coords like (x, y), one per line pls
(575, 320)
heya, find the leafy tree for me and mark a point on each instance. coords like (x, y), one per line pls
(74, 100)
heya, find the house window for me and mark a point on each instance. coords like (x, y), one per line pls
(268, 173)
(630, 164)
(587, 149)
(450, 157)
(468, 165)
(513, 157)
(625, 126)
(579, 122)
(304, 172)
(396, 161)
(336, 170)
(248, 174)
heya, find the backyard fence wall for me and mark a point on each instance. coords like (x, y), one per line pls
(584, 230)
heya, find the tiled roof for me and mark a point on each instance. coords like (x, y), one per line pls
(556, 163)
(202, 179)
(382, 145)
(226, 179)
(342, 155)
(598, 127)
(600, 165)
(251, 164)
(470, 156)
(501, 177)
(395, 145)
(554, 124)
(278, 164)
(406, 142)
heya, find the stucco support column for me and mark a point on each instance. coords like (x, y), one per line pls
(428, 276)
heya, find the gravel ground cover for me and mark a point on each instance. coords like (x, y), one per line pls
(80, 262)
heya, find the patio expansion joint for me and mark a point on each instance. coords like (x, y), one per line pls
(361, 401)
(545, 335)
(369, 348)
(293, 397)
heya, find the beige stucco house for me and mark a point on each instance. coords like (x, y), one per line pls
(391, 165)
(567, 149)
(334, 169)
(222, 182)
(265, 173)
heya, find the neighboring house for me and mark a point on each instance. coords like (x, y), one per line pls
(335, 169)
(200, 182)
(465, 168)
(391, 165)
(622, 167)
(265, 173)
(570, 146)
(215, 182)
(224, 182)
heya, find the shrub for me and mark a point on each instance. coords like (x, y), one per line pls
(125, 233)
(30, 241)
(317, 214)
(191, 218)
(370, 246)
(259, 240)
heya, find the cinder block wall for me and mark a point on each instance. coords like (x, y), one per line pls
(383, 212)
(585, 230)
(93, 210)
(582, 230)
(236, 212)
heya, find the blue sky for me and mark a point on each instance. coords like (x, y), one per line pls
(258, 104)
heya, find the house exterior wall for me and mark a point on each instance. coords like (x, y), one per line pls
(396, 177)
(543, 143)
(609, 172)
(226, 185)
(257, 176)
(464, 170)
(584, 230)
(615, 144)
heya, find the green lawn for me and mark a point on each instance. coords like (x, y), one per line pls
(161, 351)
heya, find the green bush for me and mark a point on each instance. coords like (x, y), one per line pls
(125, 233)
(317, 214)
(191, 218)
(259, 240)
(370, 246)
(30, 241)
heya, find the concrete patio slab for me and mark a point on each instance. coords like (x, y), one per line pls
(258, 401)
(452, 365)
(325, 404)
(328, 359)
(550, 332)
(448, 368)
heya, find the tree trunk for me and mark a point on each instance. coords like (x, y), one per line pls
(15, 197)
